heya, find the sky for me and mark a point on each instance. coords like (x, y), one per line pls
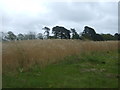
(23, 16)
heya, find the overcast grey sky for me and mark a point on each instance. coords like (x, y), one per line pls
(22, 16)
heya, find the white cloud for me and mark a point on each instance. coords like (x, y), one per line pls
(31, 15)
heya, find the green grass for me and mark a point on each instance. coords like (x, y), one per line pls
(78, 71)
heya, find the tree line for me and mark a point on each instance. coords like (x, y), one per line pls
(60, 32)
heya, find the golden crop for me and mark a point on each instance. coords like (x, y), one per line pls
(24, 54)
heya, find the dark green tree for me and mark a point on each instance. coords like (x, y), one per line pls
(98, 37)
(117, 36)
(61, 32)
(75, 35)
(108, 37)
(47, 31)
(11, 36)
(56, 31)
(20, 37)
(89, 33)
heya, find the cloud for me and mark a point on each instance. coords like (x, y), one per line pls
(101, 16)
(31, 15)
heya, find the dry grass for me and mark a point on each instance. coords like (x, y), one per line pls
(23, 54)
(0, 65)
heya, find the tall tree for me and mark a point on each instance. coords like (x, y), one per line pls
(56, 31)
(39, 36)
(117, 36)
(89, 33)
(31, 35)
(3, 35)
(20, 37)
(61, 32)
(10, 36)
(47, 31)
(75, 35)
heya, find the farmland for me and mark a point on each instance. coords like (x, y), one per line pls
(60, 63)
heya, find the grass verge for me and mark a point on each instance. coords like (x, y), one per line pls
(93, 70)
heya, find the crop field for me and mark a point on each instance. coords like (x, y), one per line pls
(60, 64)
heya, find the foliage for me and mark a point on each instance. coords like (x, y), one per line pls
(89, 33)
(40, 36)
(75, 35)
(98, 37)
(117, 36)
(61, 32)
(20, 37)
(10, 36)
(107, 37)
(46, 31)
